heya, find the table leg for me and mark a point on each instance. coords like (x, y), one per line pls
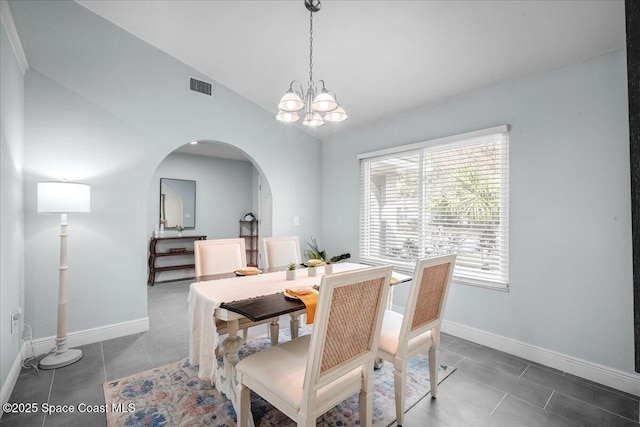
(226, 381)
(274, 329)
(294, 325)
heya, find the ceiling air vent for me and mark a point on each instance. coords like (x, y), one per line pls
(200, 86)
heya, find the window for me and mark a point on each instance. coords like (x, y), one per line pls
(438, 197)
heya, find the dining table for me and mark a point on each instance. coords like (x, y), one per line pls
(242, 301)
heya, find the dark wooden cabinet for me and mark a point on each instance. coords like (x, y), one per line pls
(249, 231)
(160, 247)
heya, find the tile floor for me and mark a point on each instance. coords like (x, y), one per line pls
(489, 388)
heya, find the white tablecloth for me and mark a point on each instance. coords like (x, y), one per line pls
(206, 297)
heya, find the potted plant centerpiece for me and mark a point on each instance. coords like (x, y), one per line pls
(314, 251)
(291, 271)
(312, 270)
(180, 229)
(328, 269)
(318, 257)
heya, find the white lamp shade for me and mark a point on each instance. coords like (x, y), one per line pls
(63, 197)
(290, 102)
(287, 116)
(337, 115)
(313, 119)
(324, 102)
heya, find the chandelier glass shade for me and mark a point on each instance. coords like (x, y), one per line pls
(291, 101)
(336, 115)
(320, 105)
(287, 116)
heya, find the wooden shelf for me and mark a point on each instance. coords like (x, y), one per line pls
(174, 253)
(249, 232)
(154, 253)
(175, 267)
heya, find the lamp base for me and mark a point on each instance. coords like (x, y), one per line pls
(59, 360)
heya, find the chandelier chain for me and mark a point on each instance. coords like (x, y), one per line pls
(310, 48)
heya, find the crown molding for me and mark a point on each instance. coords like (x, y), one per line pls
(12, 34)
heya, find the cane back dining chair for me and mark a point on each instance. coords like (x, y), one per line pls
(403, 337)
(219, 256)
(307, 376)
(280, 251)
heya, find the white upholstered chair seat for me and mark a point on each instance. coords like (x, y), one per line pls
(282, 369)
(307, 376)
(390, 333)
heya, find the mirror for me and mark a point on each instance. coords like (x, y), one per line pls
(177, 203)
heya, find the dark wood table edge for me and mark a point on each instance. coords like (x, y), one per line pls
(281, 305)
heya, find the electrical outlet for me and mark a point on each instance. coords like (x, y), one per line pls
(16, 315)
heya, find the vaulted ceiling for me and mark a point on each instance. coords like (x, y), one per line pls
(382, 58)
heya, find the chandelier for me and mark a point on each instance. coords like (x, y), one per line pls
(319, 104)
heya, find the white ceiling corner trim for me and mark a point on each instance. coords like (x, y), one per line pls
(12, 34)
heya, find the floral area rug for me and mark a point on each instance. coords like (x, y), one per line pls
(174, 396)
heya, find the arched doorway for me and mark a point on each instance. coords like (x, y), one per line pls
(229, 184)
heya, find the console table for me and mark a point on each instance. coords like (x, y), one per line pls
(167, 251)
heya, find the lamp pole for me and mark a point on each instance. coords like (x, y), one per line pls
(62, 198)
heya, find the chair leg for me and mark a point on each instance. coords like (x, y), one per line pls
(245, 406)
(399, 383)
(304, 421)
(433, 372)
(365, 400)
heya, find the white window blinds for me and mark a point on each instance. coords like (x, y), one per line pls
(437, 197)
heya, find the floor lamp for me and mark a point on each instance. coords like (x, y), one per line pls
(62, 198)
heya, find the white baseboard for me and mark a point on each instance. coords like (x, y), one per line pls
(12, 377)
(89, 336)
(611, 377)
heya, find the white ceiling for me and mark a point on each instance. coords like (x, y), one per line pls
(381, 58)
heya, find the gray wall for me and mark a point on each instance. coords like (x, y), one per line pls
(570, 253)
(224, 194)
(104, 108)
(11, 210)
